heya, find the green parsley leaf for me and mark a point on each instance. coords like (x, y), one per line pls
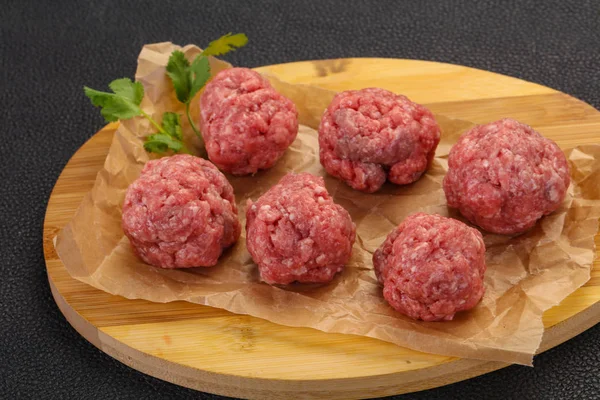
(200, 73)
(132, 91)
(155, 146)
(178, 69)
(160, 142)
(225, 44)
(124, 103)
(171, 123)
(169, 137)
(187, 79)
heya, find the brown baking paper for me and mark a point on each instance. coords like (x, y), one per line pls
(526, 274)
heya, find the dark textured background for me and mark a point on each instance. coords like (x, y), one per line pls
(50, 49)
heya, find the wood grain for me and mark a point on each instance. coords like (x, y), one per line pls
(215, 351)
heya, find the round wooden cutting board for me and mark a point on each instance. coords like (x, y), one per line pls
(215, 351)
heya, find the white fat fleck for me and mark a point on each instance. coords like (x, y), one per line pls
(552, 194)
(413, 269)
(320, 190)
(320, 259)
(265, 208)
(485, 163)
(321, 200)
(292, 217)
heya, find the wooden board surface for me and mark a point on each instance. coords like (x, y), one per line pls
(215, 351)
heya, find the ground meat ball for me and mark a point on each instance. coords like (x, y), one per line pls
(296, 233)
(180, 213)
(246, 124)
(366, 135)
(431, 267)
(504, 176)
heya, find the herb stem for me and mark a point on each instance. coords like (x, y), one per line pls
(153, 122)
(189, 117)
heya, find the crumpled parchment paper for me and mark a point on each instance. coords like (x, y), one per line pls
(526, 274)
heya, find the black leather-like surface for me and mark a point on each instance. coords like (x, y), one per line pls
(50, 49)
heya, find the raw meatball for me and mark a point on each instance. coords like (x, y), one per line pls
(504, 176)
(180, 212)
(431, 267)
(295, 232)
(246, 124)
(366, 135)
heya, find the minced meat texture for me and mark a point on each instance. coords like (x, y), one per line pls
(246, 124)
(370, 135)
(431, 267)
(296, 233)
(504, 176)
(180, 212)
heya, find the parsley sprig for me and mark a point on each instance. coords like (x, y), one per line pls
(124, 103)
(125, 98)
(188, 78)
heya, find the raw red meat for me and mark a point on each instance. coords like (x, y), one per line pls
(246, 124)
(296, 233)
(180, 212)
(370, 134)
(431, 267)
(504, 176)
